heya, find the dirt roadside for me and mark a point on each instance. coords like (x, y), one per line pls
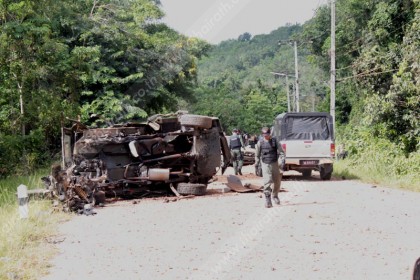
(322, 230)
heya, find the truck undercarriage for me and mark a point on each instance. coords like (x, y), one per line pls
(138, 159)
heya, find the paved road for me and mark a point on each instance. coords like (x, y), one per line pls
(322, 230)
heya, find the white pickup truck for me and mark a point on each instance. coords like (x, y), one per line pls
(308, 142)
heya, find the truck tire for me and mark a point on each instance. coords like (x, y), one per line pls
(306, 173)
(325, 175)
(196, 121)
(99, 198)
(325, 171)
(191, 189)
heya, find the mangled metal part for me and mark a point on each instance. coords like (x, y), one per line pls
(235, 184)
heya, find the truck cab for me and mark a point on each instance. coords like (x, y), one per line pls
(308, 142)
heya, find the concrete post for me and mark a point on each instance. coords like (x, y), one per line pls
(23, 200)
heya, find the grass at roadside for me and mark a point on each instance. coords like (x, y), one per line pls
(342, 170)
(8, 186)
(25, 245)
(375, 158)
(376, 173)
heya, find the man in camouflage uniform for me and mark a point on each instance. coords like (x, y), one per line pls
(267, 153)
(235, 144)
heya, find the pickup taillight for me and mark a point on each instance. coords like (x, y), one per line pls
(332, 150)
(283, 146)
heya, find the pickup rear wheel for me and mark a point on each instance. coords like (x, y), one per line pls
(324, 174)
(191, 189)
(325, 171)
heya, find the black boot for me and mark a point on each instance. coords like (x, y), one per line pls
(268, 203)
(240, 172)
(276, 199)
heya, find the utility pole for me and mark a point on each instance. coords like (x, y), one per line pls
(287, 87)
(297, 77)
(288, 93)
(332, 86)
(296, 72)
(313, 102)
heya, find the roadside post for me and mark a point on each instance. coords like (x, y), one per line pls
(23, 200)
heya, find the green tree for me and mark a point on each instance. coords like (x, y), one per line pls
(67, 58)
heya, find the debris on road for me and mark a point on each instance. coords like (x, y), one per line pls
(235, 184)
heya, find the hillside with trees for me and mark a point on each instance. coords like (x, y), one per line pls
(378, 84)
(377, 61)
(236, 80)
(106, 62)
(111, 61)
(377, 90)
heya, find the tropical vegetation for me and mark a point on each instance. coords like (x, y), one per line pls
(106, 62)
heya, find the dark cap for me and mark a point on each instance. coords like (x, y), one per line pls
(265, 130)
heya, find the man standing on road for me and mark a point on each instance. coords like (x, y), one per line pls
(268, 152)
(235, 144)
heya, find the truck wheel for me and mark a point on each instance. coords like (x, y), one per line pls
(191, 189)
(99, 198)
(196, 121)
(325, 175)
(307, 173)
(325, 171)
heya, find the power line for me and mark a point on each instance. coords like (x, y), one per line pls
(343, 68)
(366, 74)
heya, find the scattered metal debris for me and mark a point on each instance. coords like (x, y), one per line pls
(235, 184)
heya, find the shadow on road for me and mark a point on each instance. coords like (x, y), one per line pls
(316, 178)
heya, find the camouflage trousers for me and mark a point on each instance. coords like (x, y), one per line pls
(271, 177)
(237, 160)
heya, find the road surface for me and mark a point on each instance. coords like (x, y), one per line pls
(323, 230)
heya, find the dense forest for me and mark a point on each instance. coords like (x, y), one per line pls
(377, 70)
(377, 89)
(117, 61)
(112, 59)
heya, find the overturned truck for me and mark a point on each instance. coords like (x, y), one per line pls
(179, 151)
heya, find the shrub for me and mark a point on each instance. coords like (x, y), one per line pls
(22, 154)
(379, 160)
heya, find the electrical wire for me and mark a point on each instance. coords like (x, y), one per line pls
(366, 74)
